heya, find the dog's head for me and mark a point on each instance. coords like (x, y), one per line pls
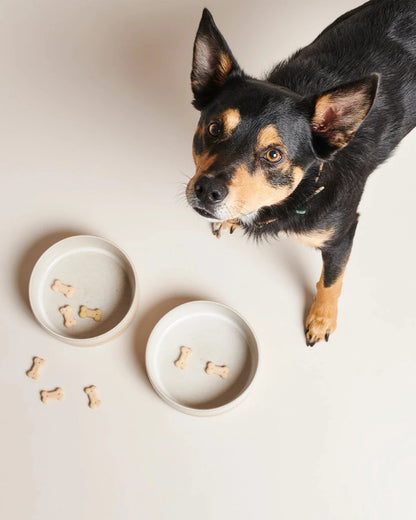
(255, 140)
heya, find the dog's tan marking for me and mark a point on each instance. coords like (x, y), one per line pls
(231, 119)
(224, 68)
(250, 192)
(202, 163)
(202, 65)
(315, 239)
(322, 318)
(269, 136)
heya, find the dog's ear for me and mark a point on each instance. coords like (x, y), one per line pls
(213, 63)
(338, 113)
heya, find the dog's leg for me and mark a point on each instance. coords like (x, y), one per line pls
(322, 318)
(227, 225)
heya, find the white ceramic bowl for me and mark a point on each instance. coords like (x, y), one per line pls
(215, 333)
(103, 278)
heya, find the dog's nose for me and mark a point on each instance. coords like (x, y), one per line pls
(209, 190)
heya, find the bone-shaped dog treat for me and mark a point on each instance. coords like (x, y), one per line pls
(221, 371)
(69, 320)
(182, 361)
(91, 391)
(34, 370)
(66, 290)
(85, 312)
(50, 395)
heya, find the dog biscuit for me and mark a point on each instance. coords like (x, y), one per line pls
(182, 361)
(50, 395)
(221, 371)
(85, 312)
(34, 370)
(69, 320)
(66, 290)
(93, 401)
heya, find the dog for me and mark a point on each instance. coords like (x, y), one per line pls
(292, 153)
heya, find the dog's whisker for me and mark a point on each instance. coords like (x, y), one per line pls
(186, 175)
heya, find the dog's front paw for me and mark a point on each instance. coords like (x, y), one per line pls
(320, 323)
(228, 225)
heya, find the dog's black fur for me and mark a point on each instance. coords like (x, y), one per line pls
(366, 59)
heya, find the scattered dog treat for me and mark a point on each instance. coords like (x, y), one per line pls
(51, 395)
(93, 402)
(221, 371)
(66, 290)
(182, 361)
(34, 370)
(85, 312)
(69, 320)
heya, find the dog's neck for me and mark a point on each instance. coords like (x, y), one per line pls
(281, 217)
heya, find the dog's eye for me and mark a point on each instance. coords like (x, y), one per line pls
(273, 155)
(214, 129)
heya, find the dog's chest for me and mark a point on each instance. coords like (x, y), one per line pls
(316, 239)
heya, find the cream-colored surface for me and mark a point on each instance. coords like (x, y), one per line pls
(95, 103)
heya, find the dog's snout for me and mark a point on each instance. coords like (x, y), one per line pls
(209, 190)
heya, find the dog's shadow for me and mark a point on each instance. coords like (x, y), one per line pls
(148, 321)
(294, 262)
(29, 257)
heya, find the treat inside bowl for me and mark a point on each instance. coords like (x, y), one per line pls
(202, 358)
(83, 290)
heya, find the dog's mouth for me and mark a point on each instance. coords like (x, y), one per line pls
(206, 214)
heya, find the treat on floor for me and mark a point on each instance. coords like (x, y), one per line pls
(85, 312)
(35, 368)
(66, 290)
(69, 320)
(52, 395)
(221, 371)
(91, 391)
(182, 361)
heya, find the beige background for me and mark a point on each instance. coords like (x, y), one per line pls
(95, 130)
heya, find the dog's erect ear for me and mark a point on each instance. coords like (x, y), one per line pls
(213, 63)
(339, 112)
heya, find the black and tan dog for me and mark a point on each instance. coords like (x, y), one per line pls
(292, 153)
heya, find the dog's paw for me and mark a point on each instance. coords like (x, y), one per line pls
(320, 323)
(228, 225)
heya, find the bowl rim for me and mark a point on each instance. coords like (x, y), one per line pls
(189, 410)
(109, 334)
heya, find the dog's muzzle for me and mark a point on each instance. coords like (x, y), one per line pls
(207, 197)
(210, 191)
